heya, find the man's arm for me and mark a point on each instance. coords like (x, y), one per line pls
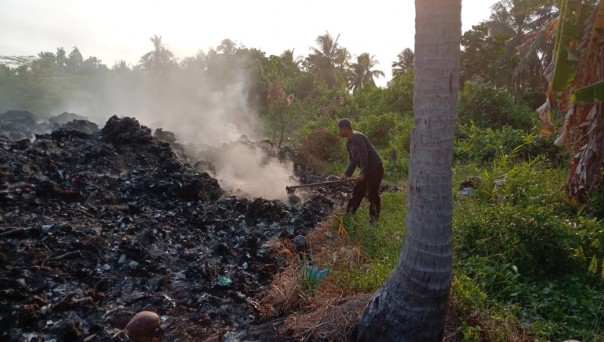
(351, 166)
(361, 150)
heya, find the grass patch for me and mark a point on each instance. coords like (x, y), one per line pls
(377, 246)
(528, 265)
(526, 255)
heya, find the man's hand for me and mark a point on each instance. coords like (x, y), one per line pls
(343, 178)
(361, 178)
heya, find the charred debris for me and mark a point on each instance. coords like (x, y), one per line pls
(97, 225)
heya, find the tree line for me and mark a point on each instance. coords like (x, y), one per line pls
(510, 50)
(509, 56)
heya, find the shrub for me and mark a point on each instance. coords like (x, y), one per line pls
(523, 246)
(390, 132)
(379, 128)
(595, 203)
(487, 106)
(401, 139)
(388, 129)
(482, 146)
(396, 169)
(398, 96)
(320, 147)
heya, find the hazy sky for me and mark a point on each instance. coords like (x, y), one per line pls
(113, 30)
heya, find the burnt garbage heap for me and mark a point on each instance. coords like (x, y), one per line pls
(95, 227)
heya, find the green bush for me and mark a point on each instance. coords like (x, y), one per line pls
(482, 146)
(515, 215)
(522, 246)
(320, 148)
(487, 106)
(397, 169)
(401, 140)
(390, 133)
(595, 203)
(398, 96)
(379, 128)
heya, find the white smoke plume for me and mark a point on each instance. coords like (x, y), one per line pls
(204, 116)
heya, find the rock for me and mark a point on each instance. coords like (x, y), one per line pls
(300, 242)
(471, 183)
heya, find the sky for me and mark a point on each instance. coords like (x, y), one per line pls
(113, 30)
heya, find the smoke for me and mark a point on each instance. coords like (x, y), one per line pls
(250, 170)
(206, 114)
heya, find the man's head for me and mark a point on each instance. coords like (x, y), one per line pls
(344, 127)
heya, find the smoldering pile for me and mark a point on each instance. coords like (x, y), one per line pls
(97, 225)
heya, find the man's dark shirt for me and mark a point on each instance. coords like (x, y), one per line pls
(361, 153)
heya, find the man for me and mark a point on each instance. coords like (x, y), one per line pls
(362, 154)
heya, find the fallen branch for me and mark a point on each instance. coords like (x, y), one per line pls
(19, 231)
(68, 255)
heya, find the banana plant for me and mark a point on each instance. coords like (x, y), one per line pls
(576, 87)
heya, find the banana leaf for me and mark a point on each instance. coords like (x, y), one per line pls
(590, 94)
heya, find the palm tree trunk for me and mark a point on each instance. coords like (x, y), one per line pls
(412, 304)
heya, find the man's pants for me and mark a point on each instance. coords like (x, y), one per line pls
(371, 186)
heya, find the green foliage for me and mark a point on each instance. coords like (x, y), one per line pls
(590, 94)
(524, 257)
(467, 292)
(483, 56)
(362, 74)
(369, 100)
(48, 82)
(398, 97)
(390, 134)
(328, 61)
(380, 129)
(321, 148)
(404, 63)
(516, 228)
(397, 169)
(595, 203)
(533, 99)
(482, 146)
(487, 106)
(379, 244)
(520, 244)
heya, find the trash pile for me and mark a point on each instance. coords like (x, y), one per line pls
(99, 225)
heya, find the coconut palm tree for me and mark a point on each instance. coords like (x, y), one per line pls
(329, 61)
(288, 56)
(121, 66)
(404, 62)
(412, 304)
(529, 45)
(159, 59)
(362, 72)
(227, 47)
